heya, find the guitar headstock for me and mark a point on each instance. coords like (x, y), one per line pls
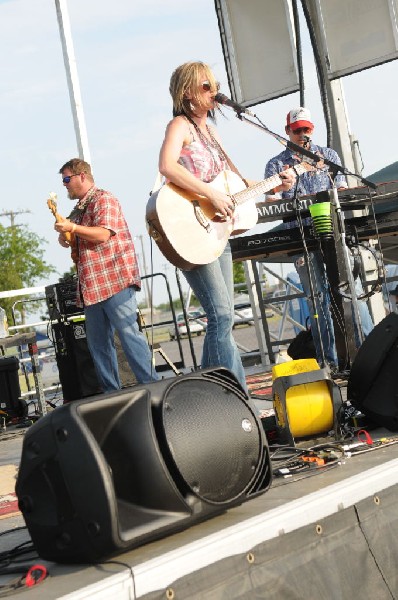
(306, 166)
(320, 164)
(51, 202)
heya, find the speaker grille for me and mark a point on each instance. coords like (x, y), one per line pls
(213, 438)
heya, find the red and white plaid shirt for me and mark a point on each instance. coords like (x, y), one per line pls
(106, 268)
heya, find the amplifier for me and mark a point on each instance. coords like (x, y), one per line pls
(61, 299)
(76, 369)
(75, 366)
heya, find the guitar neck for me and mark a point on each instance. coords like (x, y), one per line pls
(58, 218)
(262, 187)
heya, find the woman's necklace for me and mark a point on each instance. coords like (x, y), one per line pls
(209, 142)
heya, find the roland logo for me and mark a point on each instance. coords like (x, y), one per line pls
(265, 240)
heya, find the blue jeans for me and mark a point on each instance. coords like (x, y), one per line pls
(117, 313)
(322, 304)
(213, 286)
(364, 314)
(321, 287)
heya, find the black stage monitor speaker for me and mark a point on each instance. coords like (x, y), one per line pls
(100, 476)
(373, 383)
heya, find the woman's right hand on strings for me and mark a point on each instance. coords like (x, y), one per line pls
(223, 203)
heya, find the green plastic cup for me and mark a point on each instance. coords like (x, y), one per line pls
(321, 218)
(320, 209)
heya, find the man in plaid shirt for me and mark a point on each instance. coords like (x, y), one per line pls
(108, 276)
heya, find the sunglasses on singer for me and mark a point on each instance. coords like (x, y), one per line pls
(206, 86)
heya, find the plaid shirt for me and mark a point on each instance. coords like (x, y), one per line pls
(106, 268)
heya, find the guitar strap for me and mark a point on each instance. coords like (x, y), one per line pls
(78, 211)
(231, 165)
(159, 181)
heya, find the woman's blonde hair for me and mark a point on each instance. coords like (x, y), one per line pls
(187, 79)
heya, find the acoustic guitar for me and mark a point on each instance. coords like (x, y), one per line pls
(70, 237)
(188, 230)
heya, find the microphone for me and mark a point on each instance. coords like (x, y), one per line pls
(223, 99)
(307, 141)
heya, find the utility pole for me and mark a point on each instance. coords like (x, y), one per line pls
(72, 79)
(12, 214)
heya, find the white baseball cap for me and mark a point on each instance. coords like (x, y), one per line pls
(299, 117)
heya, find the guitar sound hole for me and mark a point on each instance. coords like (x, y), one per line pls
(219, 218)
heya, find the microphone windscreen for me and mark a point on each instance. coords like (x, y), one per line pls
(221, 98)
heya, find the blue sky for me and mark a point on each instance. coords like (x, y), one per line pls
(125, 52)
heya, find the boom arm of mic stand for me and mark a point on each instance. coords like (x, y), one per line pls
(335, 167)
(313, 158)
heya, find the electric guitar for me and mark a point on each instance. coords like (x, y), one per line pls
(70, 237)
(188, 230)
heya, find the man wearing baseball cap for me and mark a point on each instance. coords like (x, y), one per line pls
(299, 127)
(299, 118)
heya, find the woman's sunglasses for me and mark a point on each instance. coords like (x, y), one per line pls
(206, 86)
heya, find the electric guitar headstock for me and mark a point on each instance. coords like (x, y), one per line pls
(70, 237)
(52, 204)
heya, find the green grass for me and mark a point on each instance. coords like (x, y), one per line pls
(158, 335)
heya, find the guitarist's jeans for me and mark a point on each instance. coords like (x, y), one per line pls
(119, 312)
(213, 286)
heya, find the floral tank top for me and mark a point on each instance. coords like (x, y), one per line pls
(202, 157)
